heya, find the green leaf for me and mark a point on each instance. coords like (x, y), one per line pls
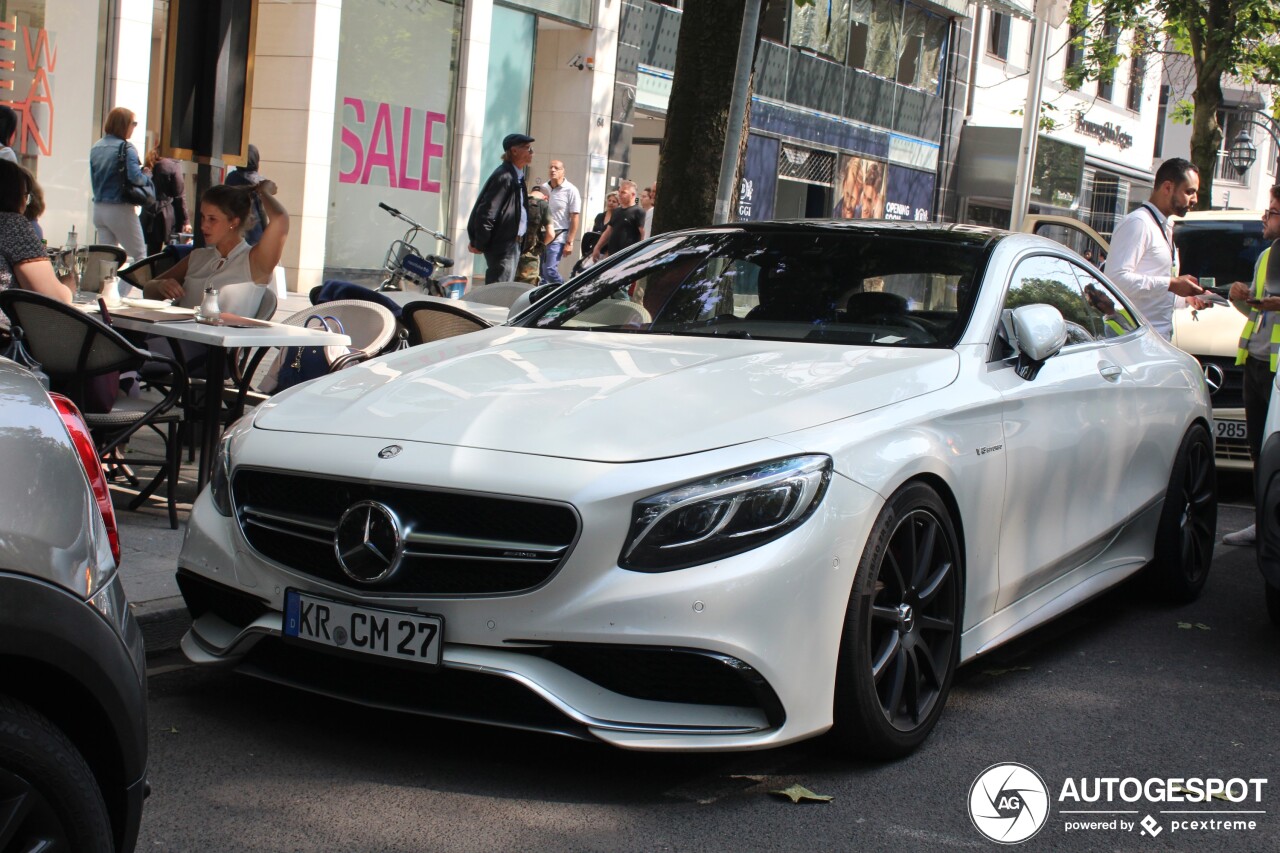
(800, 794)
(1184, 624)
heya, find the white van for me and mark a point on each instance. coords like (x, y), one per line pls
(1218, 244)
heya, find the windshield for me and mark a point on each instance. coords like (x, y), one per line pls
(866, 288)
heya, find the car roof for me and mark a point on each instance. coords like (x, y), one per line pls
(973, 235)
(1227, 215)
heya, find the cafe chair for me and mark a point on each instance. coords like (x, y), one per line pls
(372, 330)
(79, 352)
(436, 320)
(500, 293)
(99, 255)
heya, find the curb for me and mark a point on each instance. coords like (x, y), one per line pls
(163, 622)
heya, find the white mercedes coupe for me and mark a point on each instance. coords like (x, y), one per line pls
(729, 489)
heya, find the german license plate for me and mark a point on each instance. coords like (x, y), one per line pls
(365, 630)
(1229, 430)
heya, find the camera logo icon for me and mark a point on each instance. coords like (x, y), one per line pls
(1008, 803)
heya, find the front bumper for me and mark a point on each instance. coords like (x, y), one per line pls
(1230, 446)
(736, 654)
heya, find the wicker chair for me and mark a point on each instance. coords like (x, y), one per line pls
(74, 349)
(434, 321)
(500, 293)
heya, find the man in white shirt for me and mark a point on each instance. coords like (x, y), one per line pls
(1144, 261)
(566, 215)
(648, 198)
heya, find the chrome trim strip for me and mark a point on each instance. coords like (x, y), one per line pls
(328, 540)
(474, 542)
(286, 518)
(485, 558)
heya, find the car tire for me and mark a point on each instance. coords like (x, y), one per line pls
(1273, 602)
(48, 795)
(901, 640)
(1188, 521)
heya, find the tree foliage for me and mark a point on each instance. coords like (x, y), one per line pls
(1225, 40)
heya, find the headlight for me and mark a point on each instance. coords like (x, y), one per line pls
(724, 515)
(220, 476)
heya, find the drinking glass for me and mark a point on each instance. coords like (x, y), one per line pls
(81, 261)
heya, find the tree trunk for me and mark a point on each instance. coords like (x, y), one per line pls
(1206, 135)
(698, 114)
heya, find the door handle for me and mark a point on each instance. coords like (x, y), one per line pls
(1110, 371)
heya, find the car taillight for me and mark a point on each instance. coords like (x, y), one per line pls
(83, 443)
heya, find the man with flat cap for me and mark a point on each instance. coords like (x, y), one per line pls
(499, 220)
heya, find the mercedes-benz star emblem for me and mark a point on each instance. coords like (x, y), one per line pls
(369, 542)
(389, 451)
(1213, 377)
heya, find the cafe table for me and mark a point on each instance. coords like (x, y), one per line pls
(238, 333)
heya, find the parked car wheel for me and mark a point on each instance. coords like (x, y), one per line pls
(1184, 541)
(48, 795)
(901, 640)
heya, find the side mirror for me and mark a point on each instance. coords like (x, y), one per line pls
(524, 300)
(1038, 333)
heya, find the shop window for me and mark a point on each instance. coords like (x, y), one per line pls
(1137, 75)
(773, 21)
(884, 38)
(1104, 204)
(822, 28)
(998, 35)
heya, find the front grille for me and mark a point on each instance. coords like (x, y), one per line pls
(1231, 394)
(202, 596)
(1231, 450)
(455, 543)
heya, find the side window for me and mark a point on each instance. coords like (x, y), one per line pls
(1112, 318)
(1051, 281)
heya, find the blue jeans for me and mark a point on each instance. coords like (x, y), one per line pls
(501, 262)
(551, 261)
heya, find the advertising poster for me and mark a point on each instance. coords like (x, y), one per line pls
(759, 179)
(910, 194)
(860, 188)
(391, 127)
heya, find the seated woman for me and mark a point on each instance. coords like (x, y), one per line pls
(24, 261)
(238, 271)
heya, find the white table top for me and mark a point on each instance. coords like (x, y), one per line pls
(272, 335)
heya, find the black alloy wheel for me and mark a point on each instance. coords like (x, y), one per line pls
(902, 631)
(49, 798)
(1188, 521)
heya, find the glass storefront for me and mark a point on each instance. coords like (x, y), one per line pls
(392, 136)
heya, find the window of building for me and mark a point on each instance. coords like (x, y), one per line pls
(1107, 78)
(1137, 74)
(859, 32)
(773, 21)
(1075, 56)
(1162, 115)
(822, 28)
(923, 46)
(884, 41)
(998, 34)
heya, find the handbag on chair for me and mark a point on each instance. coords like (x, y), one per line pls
(301, 363)
(17, 352)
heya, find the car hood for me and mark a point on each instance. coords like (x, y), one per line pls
(604, 396)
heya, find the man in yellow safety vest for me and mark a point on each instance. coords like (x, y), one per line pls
(1259, 342)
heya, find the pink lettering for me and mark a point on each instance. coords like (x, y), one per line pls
(431, 149)
(352, 141)
(383, 157)
(406, 128)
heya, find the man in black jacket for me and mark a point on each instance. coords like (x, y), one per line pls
(499, 220)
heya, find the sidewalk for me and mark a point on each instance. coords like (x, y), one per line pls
(149, 549)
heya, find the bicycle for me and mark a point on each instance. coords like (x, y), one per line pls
(405, 262)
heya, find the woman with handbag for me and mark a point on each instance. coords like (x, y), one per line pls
(119, 185)
(168, 216)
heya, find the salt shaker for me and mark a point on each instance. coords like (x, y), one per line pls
(208, 310)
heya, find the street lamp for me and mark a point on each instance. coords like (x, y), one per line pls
(1242, 153)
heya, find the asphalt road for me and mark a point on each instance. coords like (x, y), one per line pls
(1123, 687)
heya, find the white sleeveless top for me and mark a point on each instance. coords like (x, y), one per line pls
(238, 293)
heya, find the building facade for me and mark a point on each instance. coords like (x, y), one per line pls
(1094, 160)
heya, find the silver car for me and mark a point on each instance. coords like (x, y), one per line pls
(73, 696)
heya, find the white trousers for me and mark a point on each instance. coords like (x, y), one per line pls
(118, 225)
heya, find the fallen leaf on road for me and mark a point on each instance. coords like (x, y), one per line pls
(173, 730)
(1203, 627)
(801, 794)
(995, 672)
